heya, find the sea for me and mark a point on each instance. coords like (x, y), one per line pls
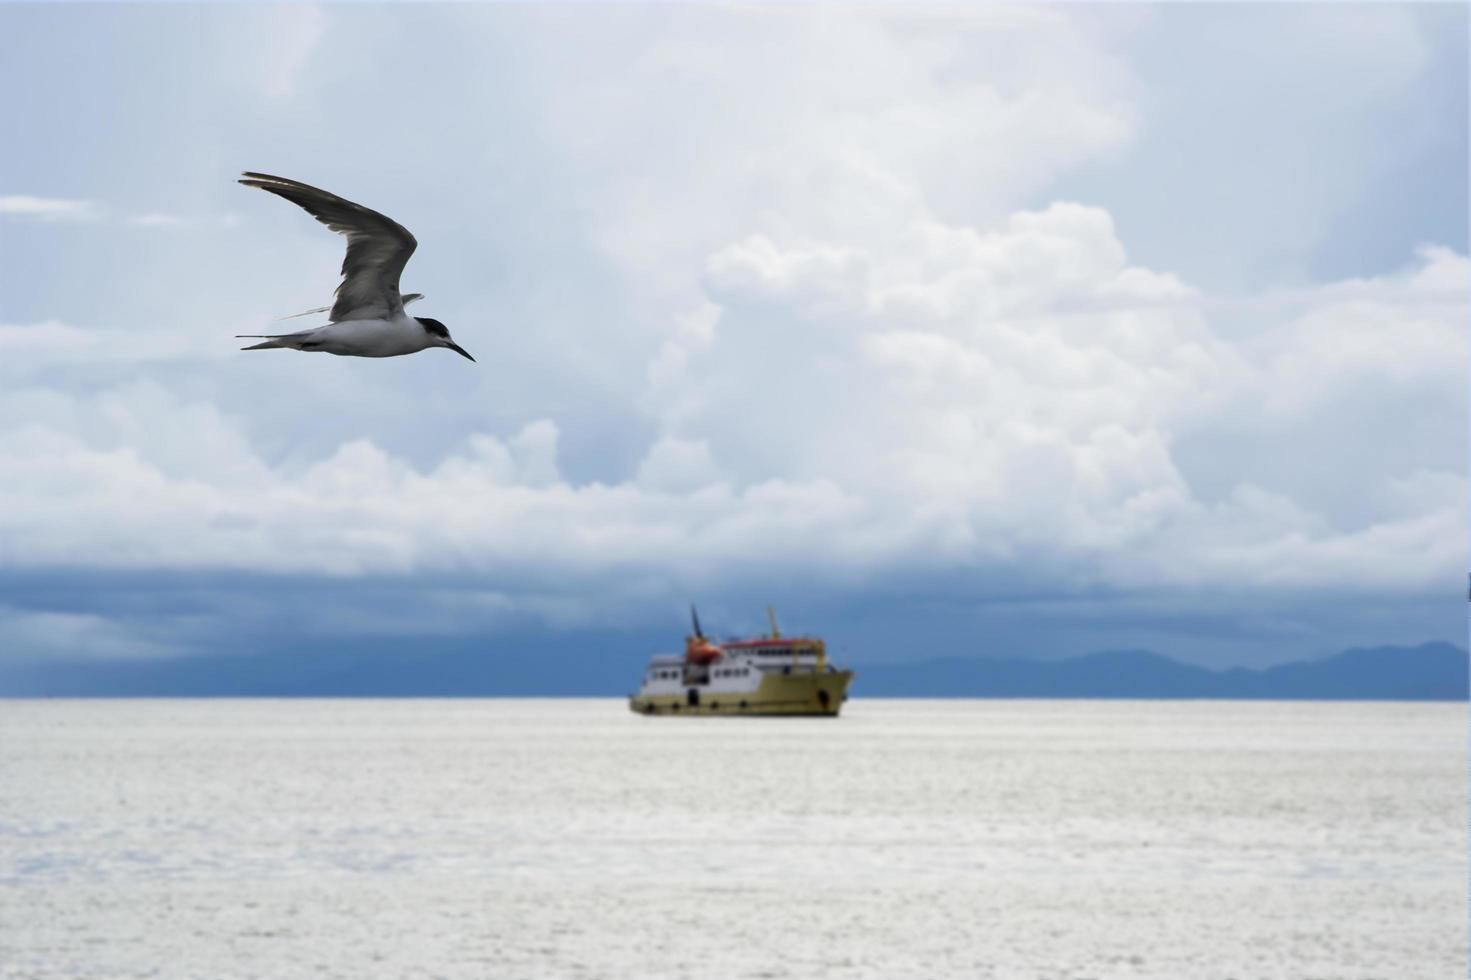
(531, 839)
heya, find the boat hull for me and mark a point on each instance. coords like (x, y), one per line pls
(810, 694)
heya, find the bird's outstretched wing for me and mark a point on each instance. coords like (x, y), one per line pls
(378, 248)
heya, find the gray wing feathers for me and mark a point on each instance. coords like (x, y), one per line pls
(378, 247)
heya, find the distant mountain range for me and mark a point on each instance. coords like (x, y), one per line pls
(1430, 672)
(610, 666)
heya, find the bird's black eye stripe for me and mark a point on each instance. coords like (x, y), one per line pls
(433, 326)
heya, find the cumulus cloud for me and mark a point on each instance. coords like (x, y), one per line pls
(855, 119)
(1031, 384)
(995, 417)
(832, 319)
(1363, 337)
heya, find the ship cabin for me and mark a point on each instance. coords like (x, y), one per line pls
(786, 655)
(737, 663)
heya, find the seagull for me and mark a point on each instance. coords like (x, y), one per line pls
(368, 318)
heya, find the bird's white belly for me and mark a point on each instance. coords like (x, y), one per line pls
(371, 338)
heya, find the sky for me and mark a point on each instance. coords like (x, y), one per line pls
(947, 330)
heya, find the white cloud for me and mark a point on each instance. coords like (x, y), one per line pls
(677, 466)
(29, 350)
(835, 123)
(1366, 336)
(158, 219)
(295, 32)
(986, 430)
(825, 312)
(48, 208)
(73, 209)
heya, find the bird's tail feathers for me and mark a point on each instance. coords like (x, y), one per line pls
(288, 340)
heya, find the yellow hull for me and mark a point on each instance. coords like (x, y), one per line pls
(778, 694)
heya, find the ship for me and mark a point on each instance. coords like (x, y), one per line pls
(767, 675)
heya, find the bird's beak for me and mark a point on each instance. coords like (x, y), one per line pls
(457, 349)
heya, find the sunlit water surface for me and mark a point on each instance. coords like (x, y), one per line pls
(565, 839)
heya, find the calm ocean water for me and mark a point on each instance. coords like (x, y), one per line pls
(564, 839)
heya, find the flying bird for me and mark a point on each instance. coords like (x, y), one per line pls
(367, 319)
